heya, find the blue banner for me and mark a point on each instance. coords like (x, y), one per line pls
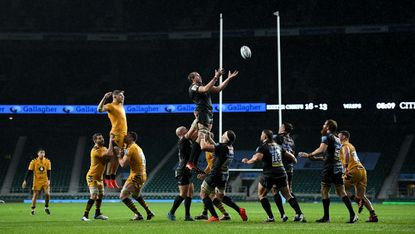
(129, 109)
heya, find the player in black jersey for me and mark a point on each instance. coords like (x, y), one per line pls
(218, 177)
(201, 96)
(332, 170)
(183, 176)
(287, 142)
(210, 158)
(274, 173)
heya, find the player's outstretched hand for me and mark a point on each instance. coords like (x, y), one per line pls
(245, 160)
(303, 155)
(233, 74)
(219, 72)
(107, 95)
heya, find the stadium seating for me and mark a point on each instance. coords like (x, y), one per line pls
(6, 155)
(409, 164)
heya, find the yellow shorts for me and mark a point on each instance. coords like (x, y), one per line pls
(40, 185)
(95, 186)
(119, 139)
(137, 180)
(358, 176)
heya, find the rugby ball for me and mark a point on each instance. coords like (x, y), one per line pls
(246, 52)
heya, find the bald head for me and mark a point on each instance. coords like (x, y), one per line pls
(181, 131)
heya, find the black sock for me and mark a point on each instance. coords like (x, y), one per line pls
(218, 204)
(372, 212)
(46, 206)
(326, 205)
(195, 153)
(267, 207)
(352, 197)
(177, 201)
(107, 177)
(98, 203)
(278, 202)
(294, 204)
(127, 201)
(209, 205)
(143, 203)
(89, 204)
(112, 176)
(229, 202)
(348, 204)
(204, 212)
(187, 204)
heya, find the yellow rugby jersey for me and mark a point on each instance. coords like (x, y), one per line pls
(353, 158)
(96, 170)
(209, 159)
(116, 114)
(40, 168)
(137, 160)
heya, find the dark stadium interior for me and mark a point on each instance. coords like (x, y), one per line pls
(331, 68)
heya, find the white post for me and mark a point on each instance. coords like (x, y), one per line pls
(279, 69)
(220, 66)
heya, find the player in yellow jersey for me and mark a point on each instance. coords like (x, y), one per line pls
(116, 114)
(40, 167)
(133, 156)
(355, 175)
(100, 155)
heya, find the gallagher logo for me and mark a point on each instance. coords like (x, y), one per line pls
(15, 109)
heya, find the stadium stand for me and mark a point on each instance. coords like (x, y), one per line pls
(409, 164)
(6, 155)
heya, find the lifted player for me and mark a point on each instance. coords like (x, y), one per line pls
(201, 96)
(116, 114)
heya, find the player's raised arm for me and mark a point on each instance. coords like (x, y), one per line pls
(231, 75)
(211, 84)
(256, 157)
(101, 104)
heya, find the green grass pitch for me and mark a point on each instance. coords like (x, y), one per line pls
(65, 218)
